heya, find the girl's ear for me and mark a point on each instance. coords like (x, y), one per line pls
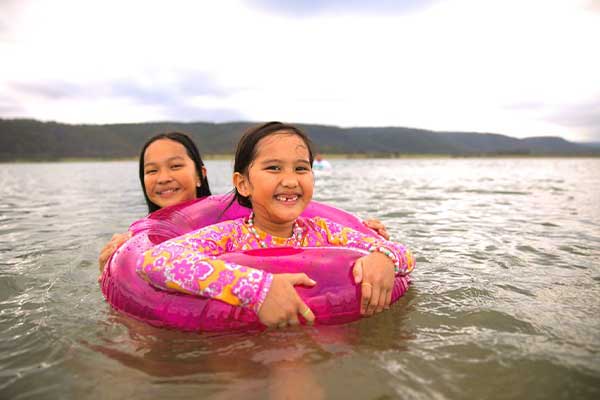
(241, 184)
(199, 179)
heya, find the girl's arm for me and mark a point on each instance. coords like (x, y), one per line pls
(378, 227)
(339, 235)
(375, 272)
(187, 264)
(109, 248)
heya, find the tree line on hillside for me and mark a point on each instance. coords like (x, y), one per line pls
(27, 139)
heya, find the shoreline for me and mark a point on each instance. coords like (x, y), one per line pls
(334, 156)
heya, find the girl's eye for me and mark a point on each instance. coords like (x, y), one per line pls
(150, 172)
(302, 169)
(272, 168)
(177, 166)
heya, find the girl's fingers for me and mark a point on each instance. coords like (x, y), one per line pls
(384, 233)
(305, 312)
(283, 306)
(388, 299)
(301, 279)
(103, 258)
(381, 303)
(357, 271)
(113, 244)
(301, 308)
(118, 239)
(366, 292)
(377, 226)
(374, 301)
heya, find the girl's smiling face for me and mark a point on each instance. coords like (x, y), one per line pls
(170, 175)
(279, 182)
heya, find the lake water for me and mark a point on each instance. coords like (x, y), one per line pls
(505, 301)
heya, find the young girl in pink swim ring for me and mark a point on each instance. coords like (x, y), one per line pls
(273, 176)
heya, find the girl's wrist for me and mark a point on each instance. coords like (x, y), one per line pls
(261, 295)
(389, 254)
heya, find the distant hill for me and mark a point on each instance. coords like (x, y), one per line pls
(591, 144)
(26, 139)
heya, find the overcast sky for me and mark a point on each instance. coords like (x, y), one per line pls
(521, 68)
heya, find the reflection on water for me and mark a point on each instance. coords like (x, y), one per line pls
(505, 300)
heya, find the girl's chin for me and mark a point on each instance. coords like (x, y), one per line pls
(287, 216)
(169, 201)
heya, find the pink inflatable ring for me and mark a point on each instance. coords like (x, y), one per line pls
(334, 300)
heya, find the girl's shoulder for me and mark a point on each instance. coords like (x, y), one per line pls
(328, 227)
(316, 222)
(223, 226)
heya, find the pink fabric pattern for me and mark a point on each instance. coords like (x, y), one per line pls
(190, 263)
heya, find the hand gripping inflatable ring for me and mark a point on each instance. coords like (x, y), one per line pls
(334, 300)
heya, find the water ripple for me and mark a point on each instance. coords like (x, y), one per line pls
(508, 280)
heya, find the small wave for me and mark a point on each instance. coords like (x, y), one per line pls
(502, 192)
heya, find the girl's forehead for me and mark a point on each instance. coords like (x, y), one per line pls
(281, 141)
(164, 149)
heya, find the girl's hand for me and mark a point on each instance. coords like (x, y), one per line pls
(375, 273)
(110, 247)
(282, 305)
(378, 227)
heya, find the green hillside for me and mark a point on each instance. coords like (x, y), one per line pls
(25, 139)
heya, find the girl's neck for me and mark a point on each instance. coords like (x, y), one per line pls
(284, 230)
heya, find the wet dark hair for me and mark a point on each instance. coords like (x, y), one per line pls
(193, 153)
(246, 149)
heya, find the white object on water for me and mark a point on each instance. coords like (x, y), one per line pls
(321, 165)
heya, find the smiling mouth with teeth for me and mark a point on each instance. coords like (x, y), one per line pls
(287, 198)
(167, 191)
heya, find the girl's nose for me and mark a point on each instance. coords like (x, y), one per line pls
(164, 177)
(289, 181)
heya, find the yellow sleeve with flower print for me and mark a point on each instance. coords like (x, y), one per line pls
(187, 264)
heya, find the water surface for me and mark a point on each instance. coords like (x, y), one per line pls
(505, 301)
